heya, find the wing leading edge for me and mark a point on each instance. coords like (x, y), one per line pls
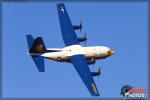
(81, 66)
(67, 30)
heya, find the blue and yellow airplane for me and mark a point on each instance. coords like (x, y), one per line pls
(73, 53)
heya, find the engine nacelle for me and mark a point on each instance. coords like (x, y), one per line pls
(82, 39)
(77, 27)
(90, 62)
(97, 73)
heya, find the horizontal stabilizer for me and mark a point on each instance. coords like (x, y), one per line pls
(39, 61)
(36, 47)
(30, 40)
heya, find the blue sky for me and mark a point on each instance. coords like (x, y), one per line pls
(120, 26)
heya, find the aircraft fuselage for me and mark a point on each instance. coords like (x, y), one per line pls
(90, 53)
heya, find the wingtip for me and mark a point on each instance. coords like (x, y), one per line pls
(59, 4)
(97, 94)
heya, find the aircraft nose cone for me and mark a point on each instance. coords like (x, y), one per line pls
(111, 52)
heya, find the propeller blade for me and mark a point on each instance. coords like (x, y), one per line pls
(80, 25)
(85, 38)
(99, 71)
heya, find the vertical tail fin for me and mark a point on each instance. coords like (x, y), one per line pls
(36, 46)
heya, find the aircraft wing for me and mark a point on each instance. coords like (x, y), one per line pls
(81, 66)
(67, 30)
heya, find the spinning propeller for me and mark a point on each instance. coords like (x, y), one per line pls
(81, 26)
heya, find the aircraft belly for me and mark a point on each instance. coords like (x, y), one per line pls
(54, 55)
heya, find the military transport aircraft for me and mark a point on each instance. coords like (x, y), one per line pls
(73, 53)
